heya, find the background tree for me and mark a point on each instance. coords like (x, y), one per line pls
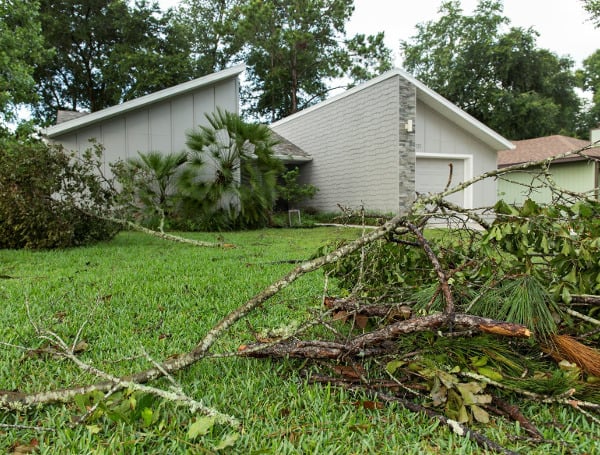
(209, 27)
(589, 80)
(294, 49)
(107, 52)
(593, 7)
(499, 77)
(21, 47)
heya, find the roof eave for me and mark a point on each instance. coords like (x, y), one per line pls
(293, 159)
(113, 111)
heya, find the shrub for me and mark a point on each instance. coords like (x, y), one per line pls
(293, 193)
(48, 197)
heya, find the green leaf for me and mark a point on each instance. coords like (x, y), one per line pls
(479, 414)
(393, 365)
(147, 414)
(93, 429)
(463, 416)
(566, 295)
(571, 277)
(228, 441)
(490, 373)
(201, 426)
(479, 361)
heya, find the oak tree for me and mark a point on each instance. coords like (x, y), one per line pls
(496, 74)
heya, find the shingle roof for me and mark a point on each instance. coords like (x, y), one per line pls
(544, 147)
(288, 151)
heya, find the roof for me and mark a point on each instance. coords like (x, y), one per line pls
(544, 147)
(429, 97)
(287, 151)
(143, 101)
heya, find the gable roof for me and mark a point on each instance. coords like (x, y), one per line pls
(429, 97)
(544, 147)
(143, 101)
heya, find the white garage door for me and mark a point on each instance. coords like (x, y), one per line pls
(432, 176)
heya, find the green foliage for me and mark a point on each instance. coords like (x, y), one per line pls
(210, 28)
(47, 197)
(19, 24)
(501, 78)
(291, 191)
(522, 300)
(230, 180)
(557, 244)
(112, 52)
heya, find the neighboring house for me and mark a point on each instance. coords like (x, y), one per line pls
(155, 122)
(379, 143)
(575, 173)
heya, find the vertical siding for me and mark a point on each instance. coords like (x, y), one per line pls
(354, 142)
(137, 132)
(160, 130)
(114, 142)
(182, 121)
(516, 187)
(159, 127)
(439, 136)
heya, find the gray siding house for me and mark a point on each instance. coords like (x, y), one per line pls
(377, 144)
(155, 122)
(380, 143)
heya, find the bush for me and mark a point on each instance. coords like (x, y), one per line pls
(48, 197)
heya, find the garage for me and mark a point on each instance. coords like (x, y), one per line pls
(432, 176)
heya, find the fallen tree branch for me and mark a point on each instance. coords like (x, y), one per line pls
(379, 342)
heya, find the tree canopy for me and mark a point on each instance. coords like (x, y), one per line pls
(19, 24)
(107, 52)
(293, 49)
(495, 72)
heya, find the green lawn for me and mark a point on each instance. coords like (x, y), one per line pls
(139, 292)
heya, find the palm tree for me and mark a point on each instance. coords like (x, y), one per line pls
(154, 175)
(232, 173)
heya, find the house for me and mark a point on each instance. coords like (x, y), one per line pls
(378, 144)
(574, 173)
(155, 122)
(375, 145)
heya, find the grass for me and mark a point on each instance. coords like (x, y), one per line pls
(137, 291)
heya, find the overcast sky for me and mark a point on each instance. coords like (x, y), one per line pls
(563, 25)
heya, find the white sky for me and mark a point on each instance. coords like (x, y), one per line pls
(563, 25)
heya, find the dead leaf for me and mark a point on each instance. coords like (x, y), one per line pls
(361, 321)
(350, 372)
(370, 405)
(17, 448)
(340, 316)
(329, 302)
(480, 415)
(80, 347)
